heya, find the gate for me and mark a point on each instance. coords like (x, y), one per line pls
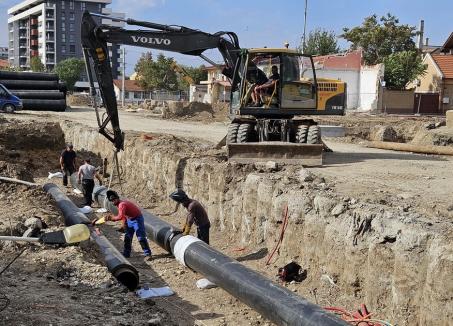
(426, 103)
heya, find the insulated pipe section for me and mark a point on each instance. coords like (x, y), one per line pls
(22, 75)
(273, 301)
(119, 266)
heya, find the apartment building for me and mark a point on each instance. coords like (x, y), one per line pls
(51, 30)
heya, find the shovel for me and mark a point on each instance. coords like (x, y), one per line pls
(71, 234)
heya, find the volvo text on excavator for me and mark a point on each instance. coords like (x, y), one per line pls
(267, 113)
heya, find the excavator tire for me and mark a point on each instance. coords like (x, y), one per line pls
(232, 134)
(244, 133)
(301, 135)
(314, 135)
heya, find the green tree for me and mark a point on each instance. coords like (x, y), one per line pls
(36, 65)
(402, 68)
(197, 74)
(379, 39)
(321, 42)
(69, 70)
(157, 74)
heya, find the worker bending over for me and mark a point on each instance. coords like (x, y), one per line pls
(134, 223)
(197, 214)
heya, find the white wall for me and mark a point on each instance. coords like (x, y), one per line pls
(370, 78)
(352, 79)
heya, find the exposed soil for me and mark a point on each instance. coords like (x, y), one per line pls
(73, 280)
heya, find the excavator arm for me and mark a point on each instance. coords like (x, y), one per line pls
(162, 37)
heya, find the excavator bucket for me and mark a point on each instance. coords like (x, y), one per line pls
(280, 152)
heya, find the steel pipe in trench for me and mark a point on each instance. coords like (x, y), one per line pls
(119, 266)
(273, 301)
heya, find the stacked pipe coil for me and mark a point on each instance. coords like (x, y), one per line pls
(38, 91)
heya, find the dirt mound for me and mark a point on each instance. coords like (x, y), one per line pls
(79, 100)
(440, 137)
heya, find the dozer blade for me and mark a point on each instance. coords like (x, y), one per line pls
(280, 152)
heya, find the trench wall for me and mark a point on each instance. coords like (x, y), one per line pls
(399, 264)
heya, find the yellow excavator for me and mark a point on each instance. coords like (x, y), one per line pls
(273, 90)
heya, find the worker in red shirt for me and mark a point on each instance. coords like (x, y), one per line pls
(134, 223)
(197, 214)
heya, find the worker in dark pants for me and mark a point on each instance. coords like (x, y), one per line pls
(68, 163)
(197, 214)
(134, 223)
(86, 175)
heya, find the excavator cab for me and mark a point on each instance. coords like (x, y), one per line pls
(276, 85)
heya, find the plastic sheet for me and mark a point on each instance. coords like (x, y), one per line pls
(145, 292)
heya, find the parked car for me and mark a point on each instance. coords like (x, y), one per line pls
(9, 102)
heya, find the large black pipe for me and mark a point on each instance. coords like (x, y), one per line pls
(44, 105)
(20, 75)
(119, 266)
(273, 301)
(39, 95)
(30, 84)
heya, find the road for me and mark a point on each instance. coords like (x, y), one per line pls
(137, 121)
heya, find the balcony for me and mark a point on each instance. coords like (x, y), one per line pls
(34, 53)
(23, 26)
(23, 45)
(34, 32)
(50, 26)
(50, 50)
(23, 36)
(34, 42)
(50, 5)
(34, 21)
(50, 38)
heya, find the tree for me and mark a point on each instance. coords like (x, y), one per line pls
(156, 74)
(36, 65)
(69, 70)
(402, 68)
(196, 73)
(379, 39)
(321, 42)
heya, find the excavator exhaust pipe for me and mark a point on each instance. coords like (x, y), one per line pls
(273, 301)
(280, 152)
(119, 266)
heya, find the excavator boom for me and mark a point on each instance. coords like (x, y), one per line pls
(162, 37)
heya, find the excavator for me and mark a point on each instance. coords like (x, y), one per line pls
(276, 128)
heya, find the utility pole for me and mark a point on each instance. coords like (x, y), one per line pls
(305, 26)
(123, 77)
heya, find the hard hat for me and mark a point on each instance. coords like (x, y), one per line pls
(179, 196)
(112, 195)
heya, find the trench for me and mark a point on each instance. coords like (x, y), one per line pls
(398, 263)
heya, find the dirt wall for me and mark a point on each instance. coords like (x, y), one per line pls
(398, 263)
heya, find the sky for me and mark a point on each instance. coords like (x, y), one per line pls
(269, 23)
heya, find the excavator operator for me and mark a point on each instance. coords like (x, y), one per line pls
(267, 87)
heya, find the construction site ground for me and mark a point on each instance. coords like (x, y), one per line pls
(70, 286)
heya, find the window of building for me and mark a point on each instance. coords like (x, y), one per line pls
(63, 26)
(71, 4)
(100, 7)
(126, 94)
(71, 16)
(71, 38)
(63, 16)
(63, 38)
(63, 48)
(83, 6)
(137, 94)
(63, 4)
(71, 27)
(72, 48)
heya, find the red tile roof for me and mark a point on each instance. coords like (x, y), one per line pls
(448, 45)
(445, 64)
(129, 85)
(4, 63)
(350, 61)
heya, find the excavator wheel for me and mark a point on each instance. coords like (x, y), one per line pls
(314, 135)
(232, 134)
(301, 135)
(244, 133)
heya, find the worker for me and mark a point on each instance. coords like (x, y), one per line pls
(134, 223)
(269, 86)
(257, 77)
(86, 175)
(68, 162)
(197, 214)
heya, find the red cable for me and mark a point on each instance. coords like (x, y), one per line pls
(282, 233)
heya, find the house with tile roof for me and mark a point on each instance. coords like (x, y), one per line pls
(439, 75)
